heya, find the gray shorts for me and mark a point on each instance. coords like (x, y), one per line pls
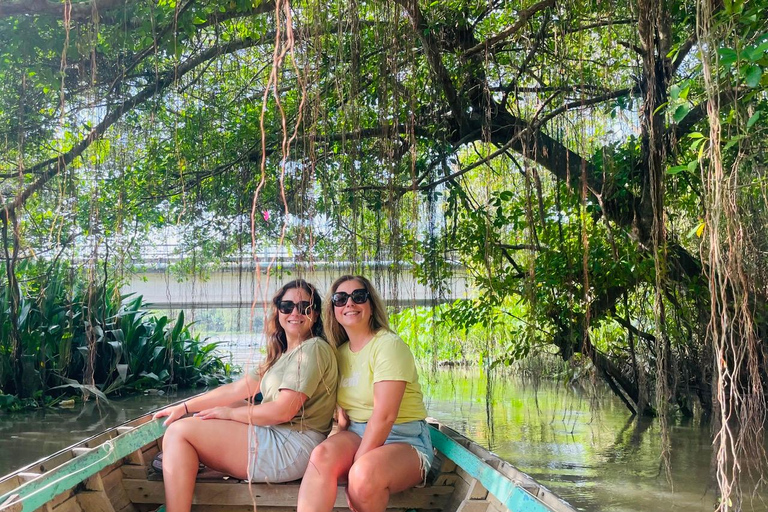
(280, 454)
(414, 433)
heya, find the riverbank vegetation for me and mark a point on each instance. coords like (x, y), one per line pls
(596, 169)
(61, 337)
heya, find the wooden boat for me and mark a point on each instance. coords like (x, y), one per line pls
(112, 472)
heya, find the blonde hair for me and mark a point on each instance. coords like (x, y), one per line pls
(334, 332)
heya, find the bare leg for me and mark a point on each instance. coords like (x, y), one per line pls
(383, 471)
(219, 444)
(329, 462)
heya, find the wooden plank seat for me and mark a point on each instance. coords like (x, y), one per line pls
(144, 486)
(224, 494)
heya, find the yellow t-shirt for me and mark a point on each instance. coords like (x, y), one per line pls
(311, 369)
(385, 357)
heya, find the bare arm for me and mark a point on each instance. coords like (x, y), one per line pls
(242, 389)
(282, 410)
(387, 396)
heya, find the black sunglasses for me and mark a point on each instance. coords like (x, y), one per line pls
(287, 306)
(359, 296)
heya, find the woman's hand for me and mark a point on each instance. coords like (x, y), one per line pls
(217, 413)
(173, 413)
(342, 419)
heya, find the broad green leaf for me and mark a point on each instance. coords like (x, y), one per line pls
(727, 56)
(752, 120)
(676, 169)
(681, 112)
(122, 372)
(752, 75)
(756, 53)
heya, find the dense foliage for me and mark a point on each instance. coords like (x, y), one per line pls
(598, 166)
(72, 339)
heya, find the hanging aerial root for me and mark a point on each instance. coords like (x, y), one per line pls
(284, 45)
(739, 392)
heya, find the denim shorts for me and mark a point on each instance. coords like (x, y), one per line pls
(279, 453)
(414, 433)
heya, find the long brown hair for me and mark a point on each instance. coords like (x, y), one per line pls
(334, 332)
(277, 342)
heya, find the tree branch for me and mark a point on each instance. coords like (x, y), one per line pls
(599, 24)
(434, 58)
(637, 332)
(584, 103)
(53, 166)
(682, 52)
(522, 19)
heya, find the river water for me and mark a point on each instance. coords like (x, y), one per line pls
(588, 450)
(584, 446)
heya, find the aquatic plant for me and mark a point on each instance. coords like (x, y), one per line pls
(69, 337)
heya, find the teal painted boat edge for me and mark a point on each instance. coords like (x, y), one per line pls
(37, 492)
(514, 497)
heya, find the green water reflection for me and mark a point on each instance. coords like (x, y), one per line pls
(590, 452)
(26, 437)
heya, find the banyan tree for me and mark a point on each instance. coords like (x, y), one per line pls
(595, 166)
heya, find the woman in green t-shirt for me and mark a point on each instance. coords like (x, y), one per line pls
(384, 445)
(271, 441)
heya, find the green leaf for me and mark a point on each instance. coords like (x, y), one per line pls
(6, 401)
(122, 372)
(727, 56)
(685, 91)
(753, 75)
(733, 141)
(677, 169)
(178, 327)
(697, 230)
(681, 112)
(752, 120)
(755, 53)
(25, 308)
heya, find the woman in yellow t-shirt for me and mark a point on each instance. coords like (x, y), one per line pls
(384, 445)
(272, 441)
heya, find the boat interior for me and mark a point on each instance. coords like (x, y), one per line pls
(96, 476)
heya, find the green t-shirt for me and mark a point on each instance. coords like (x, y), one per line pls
(385, 357)
(311, 369)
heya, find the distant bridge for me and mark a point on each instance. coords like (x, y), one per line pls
(241, 285)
